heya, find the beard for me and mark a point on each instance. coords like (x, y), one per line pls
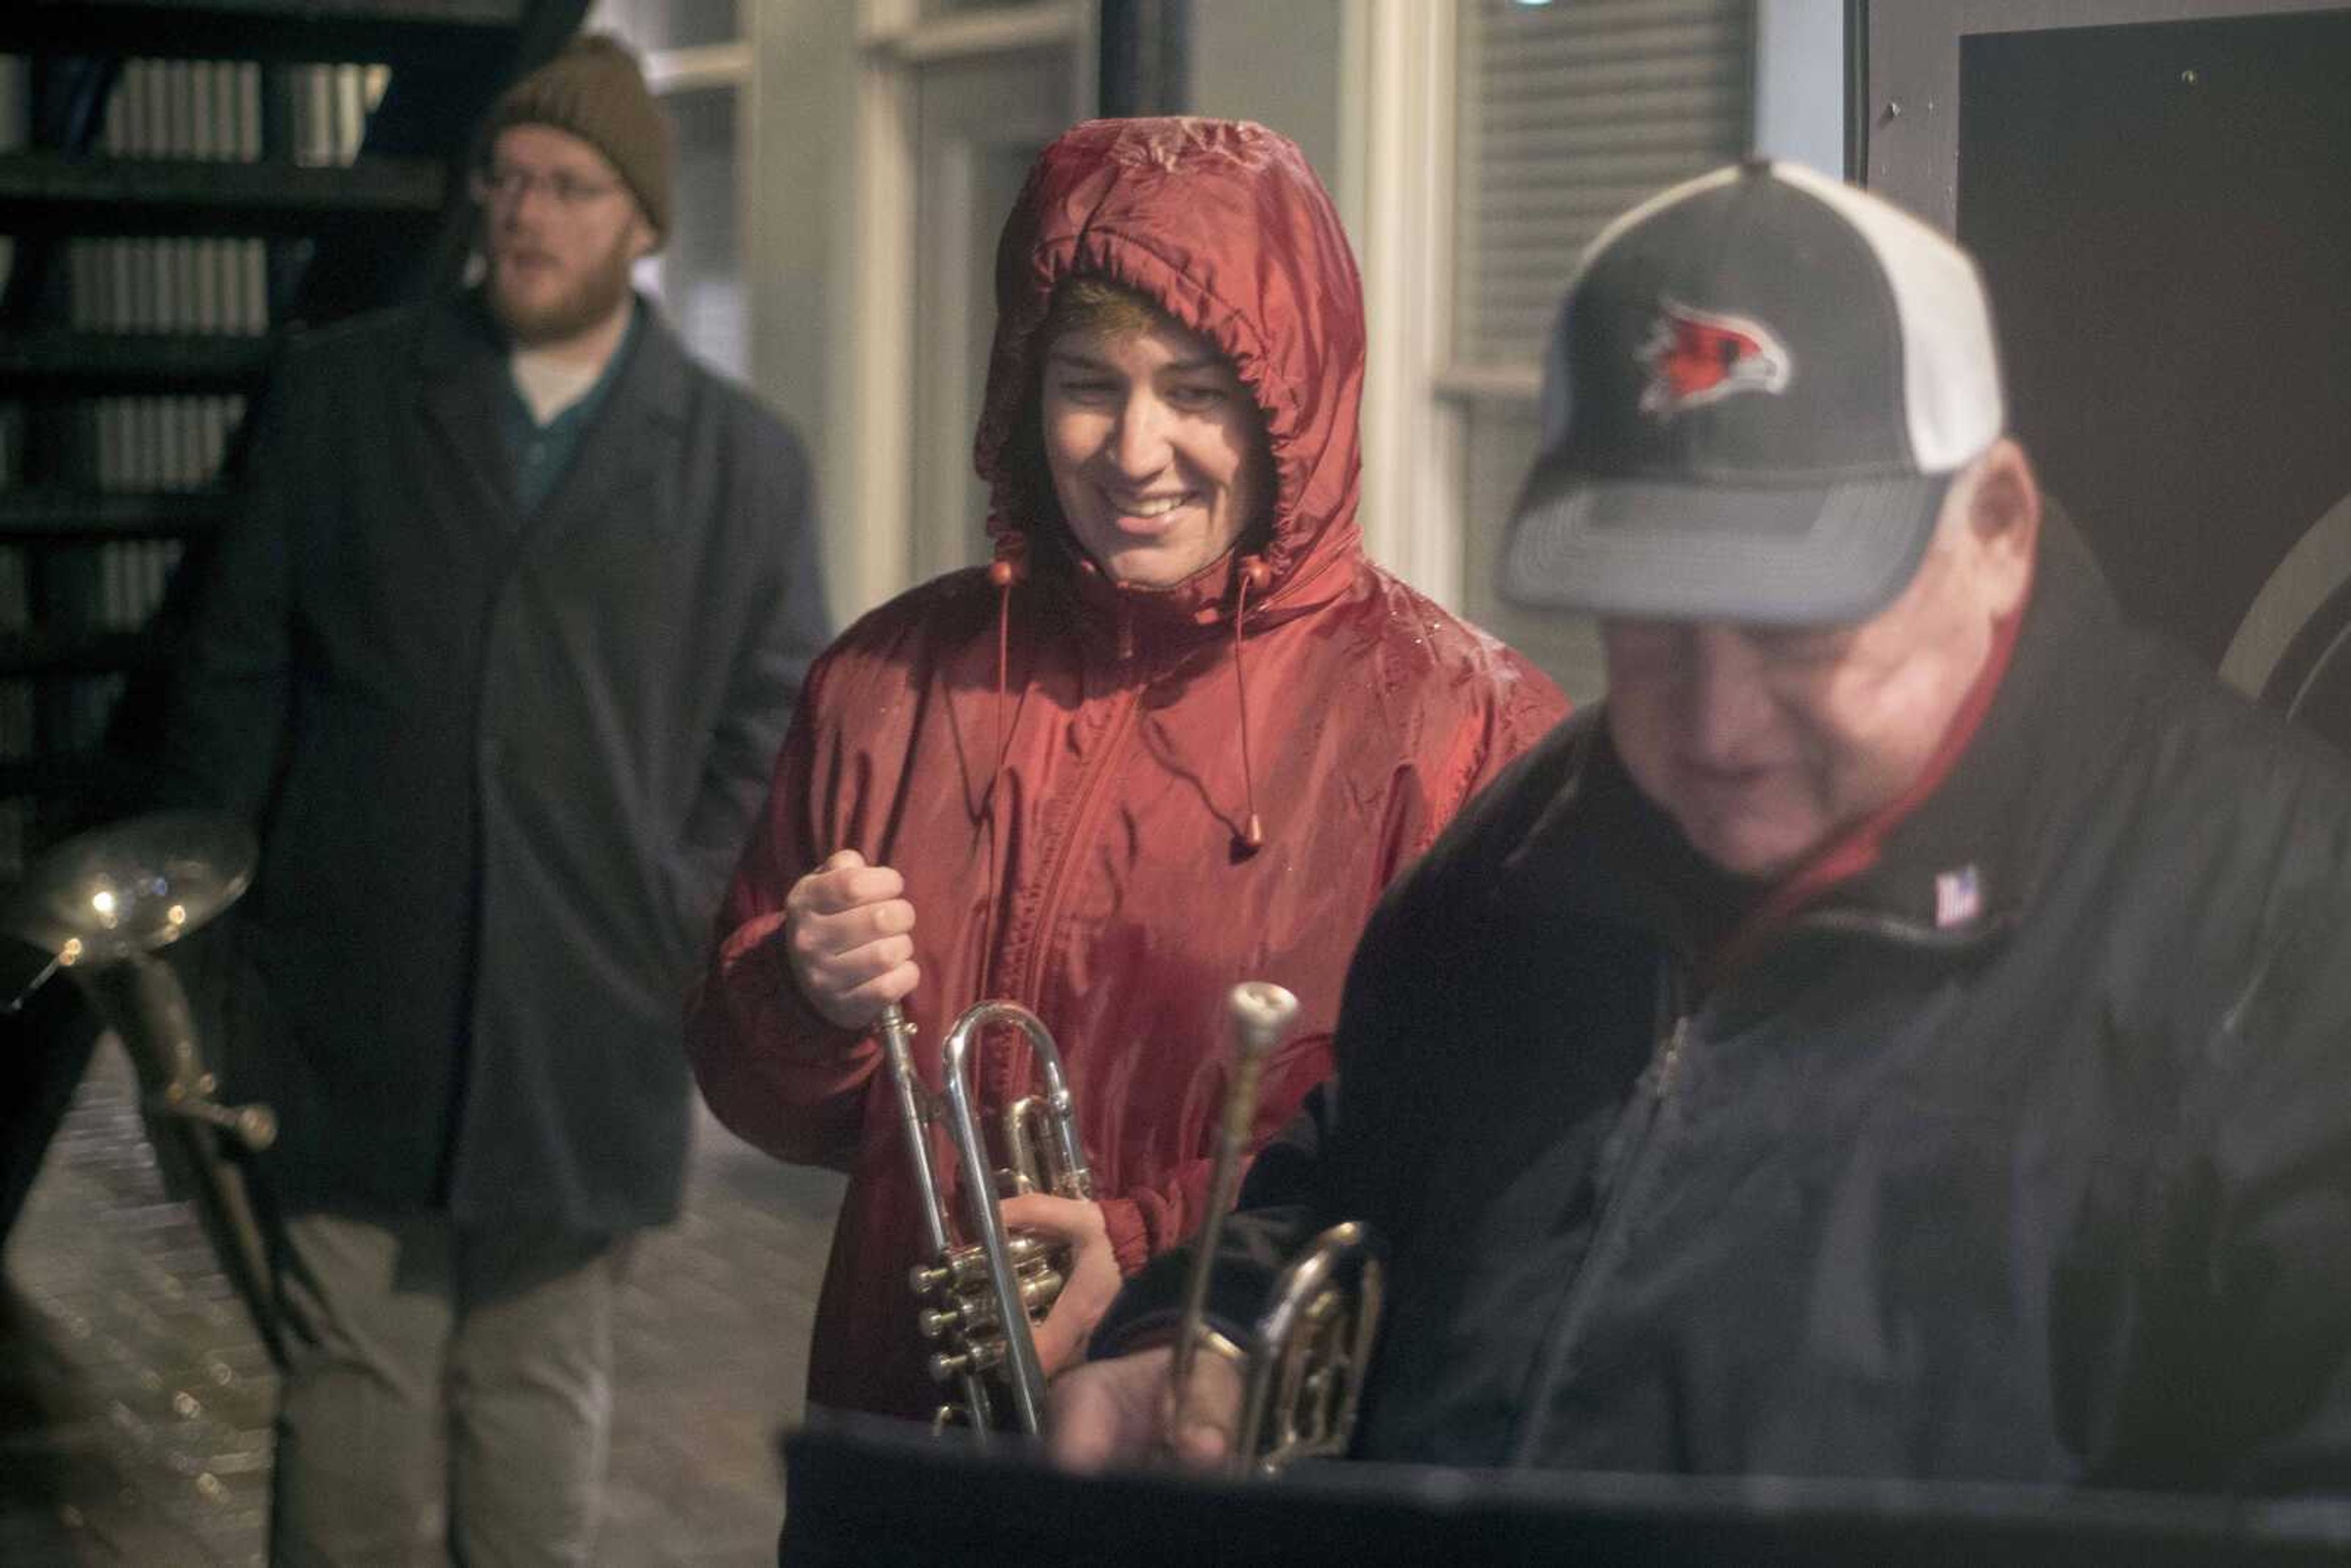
(534, 320)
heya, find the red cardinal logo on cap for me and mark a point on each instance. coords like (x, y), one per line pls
(1698, 357)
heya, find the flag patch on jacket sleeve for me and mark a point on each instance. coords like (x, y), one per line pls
(1959, 897)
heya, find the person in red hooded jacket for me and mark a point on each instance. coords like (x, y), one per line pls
(1181, 733)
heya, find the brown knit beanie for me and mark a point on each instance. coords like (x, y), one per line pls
(596, 90)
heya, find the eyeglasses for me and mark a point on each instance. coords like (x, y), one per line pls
(504, 187)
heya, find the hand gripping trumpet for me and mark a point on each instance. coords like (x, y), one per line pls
(1302, 1374)
(983, 1284)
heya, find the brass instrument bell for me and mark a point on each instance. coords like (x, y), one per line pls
(101, 906)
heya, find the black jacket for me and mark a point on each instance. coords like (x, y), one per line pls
(501, 765)
(2058, 1192)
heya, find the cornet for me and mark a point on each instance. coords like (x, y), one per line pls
(1303, 1370)
(983, 1284)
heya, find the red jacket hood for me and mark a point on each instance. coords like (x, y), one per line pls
(1224, 225)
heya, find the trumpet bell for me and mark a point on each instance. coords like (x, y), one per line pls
(1312, 1352)
(102, 904)
(132, 887)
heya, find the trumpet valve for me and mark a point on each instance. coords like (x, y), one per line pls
(1040, 1291)
(964, 1269)
(983, 1355)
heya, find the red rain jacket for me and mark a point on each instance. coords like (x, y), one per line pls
(1094, 869)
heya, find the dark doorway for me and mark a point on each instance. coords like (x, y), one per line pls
(2163, 212)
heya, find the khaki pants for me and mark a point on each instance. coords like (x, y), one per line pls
(449, 1393)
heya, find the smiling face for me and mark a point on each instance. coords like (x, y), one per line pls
(561, 231)
(1157, 452)
(1762, 742)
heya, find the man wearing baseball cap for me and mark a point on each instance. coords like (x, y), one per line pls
(1902, 1031)
(496, 660)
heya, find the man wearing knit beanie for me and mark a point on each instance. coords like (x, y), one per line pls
(584, 128)
(496, 659)
(595, 90)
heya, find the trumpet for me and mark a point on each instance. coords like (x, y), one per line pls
(1303, 1370)
(103, 906)
(983, 1284)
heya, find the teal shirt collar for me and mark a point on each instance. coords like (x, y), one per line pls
(538, 455)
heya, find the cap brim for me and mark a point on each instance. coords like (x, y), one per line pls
(1653, 550)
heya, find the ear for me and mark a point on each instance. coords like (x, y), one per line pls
(643, 238)
(2004, 521)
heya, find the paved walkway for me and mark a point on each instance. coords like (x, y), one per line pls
(135, 1398)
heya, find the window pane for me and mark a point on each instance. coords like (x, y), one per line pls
(669, 23)
(699, 273)
(1568, 115)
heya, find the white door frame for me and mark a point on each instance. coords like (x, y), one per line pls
(1395, 178)
(895, 43)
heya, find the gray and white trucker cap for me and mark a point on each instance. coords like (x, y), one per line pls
(1760, 387)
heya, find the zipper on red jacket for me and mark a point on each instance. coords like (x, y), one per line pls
(1057, 876)
(1634, 1154)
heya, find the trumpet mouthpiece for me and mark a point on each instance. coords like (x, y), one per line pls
(1261, 1011)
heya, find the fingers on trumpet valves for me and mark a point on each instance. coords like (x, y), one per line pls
(967, 1313)
(1041, 1289)
(964, 1269)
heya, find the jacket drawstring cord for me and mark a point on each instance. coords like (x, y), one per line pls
(1009, 568)
(1253, 573)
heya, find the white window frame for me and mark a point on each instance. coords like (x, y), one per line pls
(726, 65)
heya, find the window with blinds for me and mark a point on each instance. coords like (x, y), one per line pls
(1570, 113)
(1567, 114)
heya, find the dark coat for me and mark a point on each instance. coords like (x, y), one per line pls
(2022, 1155)
(1070, 838)
(501, 766)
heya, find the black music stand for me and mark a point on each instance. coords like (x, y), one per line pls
(879, 1494)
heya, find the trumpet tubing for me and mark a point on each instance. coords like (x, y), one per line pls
(1303, 1371)
(982, 1283)
(1260, 1013)
(1311, 1352)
